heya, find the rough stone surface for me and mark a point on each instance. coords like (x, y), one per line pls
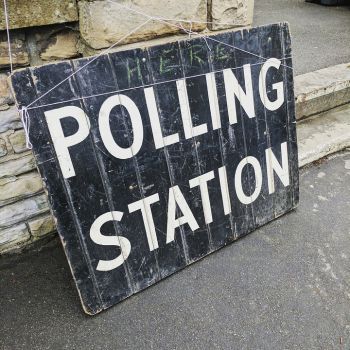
(230, 13)
(5, 93)
(322, 90)
(23, 210)
(86, 50)
(30, 13)
(103, 23)
(18, 141)
(12, 237)
(41, 226)
(10, 119)
(6, 148)
(18, 51)
(60, 46)
(13, 157)
(14, 188)
(3, 148)
(323, 134)
(17, 166)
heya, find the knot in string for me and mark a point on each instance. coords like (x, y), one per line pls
(26, 124)
(185, 30)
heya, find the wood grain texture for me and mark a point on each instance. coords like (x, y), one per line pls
(103, 183)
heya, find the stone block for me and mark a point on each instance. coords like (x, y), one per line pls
(18, 141)
(41, 226)
(323, 134)
(103, 23)
(61, 45)
(18, 166)
(322, 90)
(13, 237)
(30, 13)
(15, 188)
(13, 156)
(5, 145)
(3, 148)
(19, 52)
(6, 97)
(23, 210)
(226, 14)
(10, 119)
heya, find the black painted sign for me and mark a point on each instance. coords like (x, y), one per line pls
(153, 158)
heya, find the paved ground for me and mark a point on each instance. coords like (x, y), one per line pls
(285, 286)
(321, 35)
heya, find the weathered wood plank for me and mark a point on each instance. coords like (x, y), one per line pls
(153, 158)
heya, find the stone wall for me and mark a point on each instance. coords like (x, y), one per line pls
(48, 30)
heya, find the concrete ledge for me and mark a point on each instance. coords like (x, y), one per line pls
(322, 90)
(323, 134)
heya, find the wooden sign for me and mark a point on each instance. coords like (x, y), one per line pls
(153, 158)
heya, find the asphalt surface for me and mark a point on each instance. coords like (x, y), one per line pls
(320, 34)
(284, 286)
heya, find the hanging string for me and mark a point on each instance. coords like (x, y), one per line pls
(134, 88)
(89, 62)
(150, 18)
(190, 32)
(166, 21)
(8, 35)
(23, 112)
(24, 109)
(177, 19)
(26, 123)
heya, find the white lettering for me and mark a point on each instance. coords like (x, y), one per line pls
(176, 197)
(189, 129)
(272, 165)
(270, 105)
(213, 100)
(61, 142)
(233, 89)
(159, 140)
(105, 128)
(145, 206)
(202, 182)
(225, 193)
(119, 241)
(258, 180)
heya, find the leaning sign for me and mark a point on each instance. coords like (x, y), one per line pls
(153, 158)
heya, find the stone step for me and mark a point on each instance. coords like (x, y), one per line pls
(323, 134)
(322, 90)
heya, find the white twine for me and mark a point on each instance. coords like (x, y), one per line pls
(26, 123)
(190, 32)
(89, 62)
(135, 87)
(24, 109)
(165, 20)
